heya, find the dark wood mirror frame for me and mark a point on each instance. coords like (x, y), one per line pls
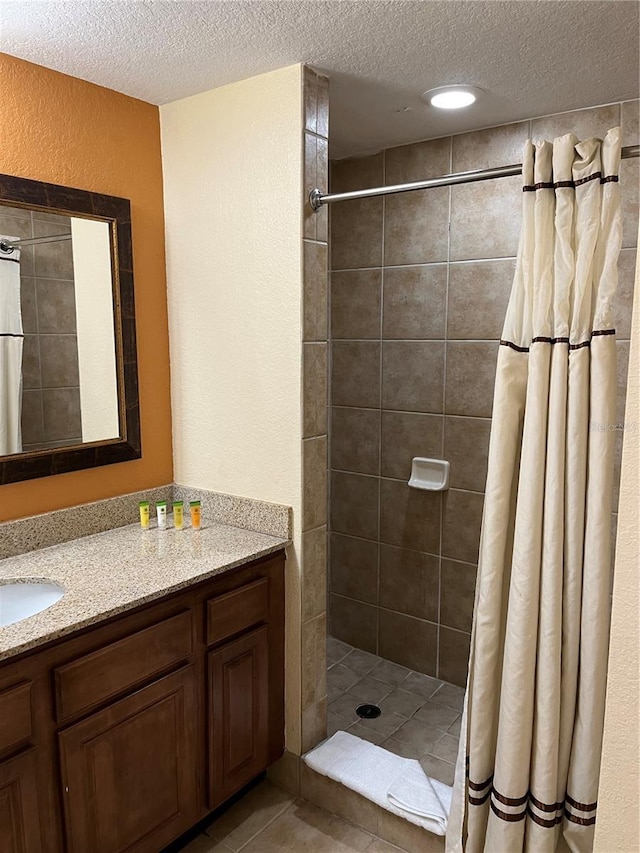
(21, 192)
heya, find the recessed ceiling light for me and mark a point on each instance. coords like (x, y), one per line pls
(451, 97)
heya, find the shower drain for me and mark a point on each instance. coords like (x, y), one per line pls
(368, 712)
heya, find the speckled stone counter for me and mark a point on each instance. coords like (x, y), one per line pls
(115, 571)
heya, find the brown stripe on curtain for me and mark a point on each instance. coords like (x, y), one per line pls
(513, 346)
(581, 821)
(541, 339)
(510, 801)
(480, 801)
(583, 807)
(480, 786)
(510, 818)
(550, 185)
(545, 807)
(547, 824)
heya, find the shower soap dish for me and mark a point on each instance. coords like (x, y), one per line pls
(432, 475)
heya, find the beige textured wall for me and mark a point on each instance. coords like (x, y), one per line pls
(232, 177)
(232, 162)
(618, 826)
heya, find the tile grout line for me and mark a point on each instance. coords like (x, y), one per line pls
(392, 480)
(417, 341)
(306, 273)
(260, 831)
(444, 405)
(417, 619)
(35, 299)
(410, 412)
(402, 548)
(329, 342)
(380, 404)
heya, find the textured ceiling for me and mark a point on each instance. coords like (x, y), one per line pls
(531, 57)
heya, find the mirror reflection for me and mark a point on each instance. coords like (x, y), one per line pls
(58, 378)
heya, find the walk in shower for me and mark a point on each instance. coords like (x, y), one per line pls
(419, 289)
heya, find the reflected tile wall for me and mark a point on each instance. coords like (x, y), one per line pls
(51, 393)
(419, 290)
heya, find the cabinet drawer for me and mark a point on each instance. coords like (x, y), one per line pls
(237, 611)
(97, 677)
(15, 716)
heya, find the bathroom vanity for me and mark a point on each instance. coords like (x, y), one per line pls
(123, 733)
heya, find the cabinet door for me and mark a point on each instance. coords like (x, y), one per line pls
(19, 814)
(238, 714)
(129, 772)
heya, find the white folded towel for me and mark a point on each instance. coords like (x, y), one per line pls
(409, 792)
(397, 784)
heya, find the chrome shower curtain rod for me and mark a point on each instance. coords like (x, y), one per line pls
(317, 198)
(10, 245)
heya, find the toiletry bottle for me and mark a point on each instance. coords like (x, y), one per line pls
(194, 507)
(144, 514)
(178, 515)
(161, 511)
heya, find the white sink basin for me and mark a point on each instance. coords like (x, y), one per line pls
(20, 600)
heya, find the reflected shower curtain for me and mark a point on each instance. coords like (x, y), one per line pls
(11, 339)
(529, 760)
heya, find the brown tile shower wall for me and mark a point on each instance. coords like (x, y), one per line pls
(419, 288)
(50, 392)
(314, 415)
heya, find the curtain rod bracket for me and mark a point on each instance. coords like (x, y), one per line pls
(315, 199)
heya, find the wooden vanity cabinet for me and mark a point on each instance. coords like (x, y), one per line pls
(19, 810)
(19, 806)
(124, 736)
(238, 714)
(129, 771)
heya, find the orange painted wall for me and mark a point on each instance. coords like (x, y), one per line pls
(63, 130)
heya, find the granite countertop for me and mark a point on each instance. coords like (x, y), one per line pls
(115, 571)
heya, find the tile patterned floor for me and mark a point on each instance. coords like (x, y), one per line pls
(420, 715)
(267, 820)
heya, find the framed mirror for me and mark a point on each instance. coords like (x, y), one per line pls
(68, 366)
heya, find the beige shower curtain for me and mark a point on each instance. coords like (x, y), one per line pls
(527, 773)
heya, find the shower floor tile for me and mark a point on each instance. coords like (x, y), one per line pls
(420, 715)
